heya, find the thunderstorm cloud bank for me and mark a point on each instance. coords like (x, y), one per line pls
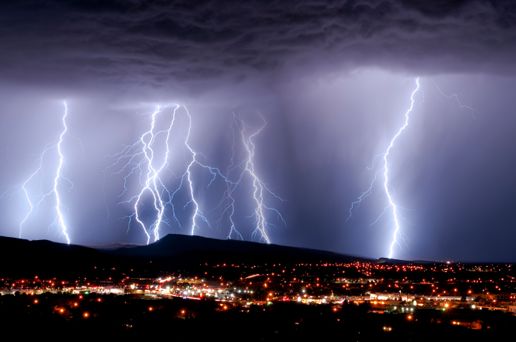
(159, 42)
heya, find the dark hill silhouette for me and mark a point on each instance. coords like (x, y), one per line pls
(201, 249)
(42, 257)
(24, 257)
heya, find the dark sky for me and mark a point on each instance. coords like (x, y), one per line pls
(331, 78)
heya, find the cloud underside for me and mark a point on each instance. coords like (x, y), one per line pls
(154, 42)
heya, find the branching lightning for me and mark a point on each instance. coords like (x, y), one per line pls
(245, 138)
(259, 188)
(152, 179)
(386, 186)
(58, 178)
(362, 197)
(140, 158)
(455, 97)
(392, 205)
(26, 192)
(197, 212)
(152, 182)
(231, 188)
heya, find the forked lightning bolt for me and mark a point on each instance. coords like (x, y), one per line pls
(386, 186)
(361, 197)
(56, 184)
(150, 170)
(141, 158)
(246, 171)
(392, 205)
(456, 99)
(197, 213)
(153, 183)
(26, 192)
(58, 178)
(231, 188)
(259, 188)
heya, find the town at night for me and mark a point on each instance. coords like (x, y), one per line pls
(363, 299)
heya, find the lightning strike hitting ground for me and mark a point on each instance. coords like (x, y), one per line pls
(149, 173)
(152, 179)
(386, 187)
(140, 159)
(259, 187)
(58, 178)
(233, 230)
(245, 169)
(392, 205)
(197, 213)
(228, 198)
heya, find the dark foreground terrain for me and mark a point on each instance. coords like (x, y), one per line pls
(68, 317)
(188, 288)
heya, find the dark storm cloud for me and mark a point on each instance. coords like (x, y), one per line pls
(154, 42)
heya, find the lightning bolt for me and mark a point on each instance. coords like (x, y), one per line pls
(26, 193)
(392, 205)
(58, 178)
(455, 97)
(149, 170)
(230, 189)
(356, 203)
(361, 197)
(197, 214)
(153, 175)
(245, 170)
(259, 188)
(140, 158)
(232, 226)
(386, 187)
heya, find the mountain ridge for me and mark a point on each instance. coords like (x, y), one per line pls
(172, 252)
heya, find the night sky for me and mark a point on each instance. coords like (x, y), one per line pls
(332, 80)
